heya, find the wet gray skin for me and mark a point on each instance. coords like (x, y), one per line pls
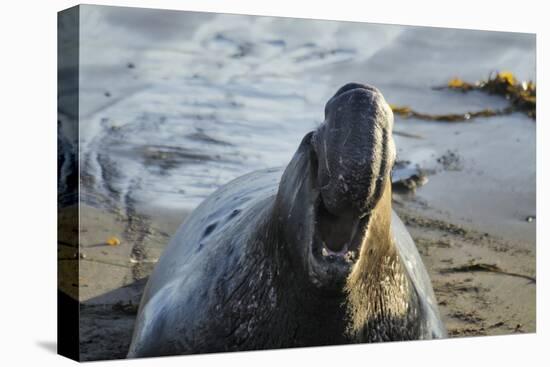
(267, 261)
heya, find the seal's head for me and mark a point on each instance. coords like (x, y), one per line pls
(333, 183)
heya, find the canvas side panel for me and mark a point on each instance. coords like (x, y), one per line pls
(67, 182)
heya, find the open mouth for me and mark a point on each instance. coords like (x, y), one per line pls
(337, 238)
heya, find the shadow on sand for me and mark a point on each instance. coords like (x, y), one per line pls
(107, 322)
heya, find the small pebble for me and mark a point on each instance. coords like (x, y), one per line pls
(113, 241)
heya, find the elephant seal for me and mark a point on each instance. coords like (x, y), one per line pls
(306, 256)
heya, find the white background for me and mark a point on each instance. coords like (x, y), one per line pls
(28, 181)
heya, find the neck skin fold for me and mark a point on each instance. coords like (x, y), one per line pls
(377, 288)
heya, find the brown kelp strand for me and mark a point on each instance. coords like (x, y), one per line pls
(521, 95)
(492, 268)
(407, 112)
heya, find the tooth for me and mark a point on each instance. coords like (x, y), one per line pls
(350, 256)
(324, 252)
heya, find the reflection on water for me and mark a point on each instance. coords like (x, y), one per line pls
(175, 104)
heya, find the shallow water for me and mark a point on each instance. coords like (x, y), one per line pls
(175, 104)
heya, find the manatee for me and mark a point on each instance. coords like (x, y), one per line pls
(310, 254)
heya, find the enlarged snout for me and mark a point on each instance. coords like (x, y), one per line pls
(333, 183)
(354, 150)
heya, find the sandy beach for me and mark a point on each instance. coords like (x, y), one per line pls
(473, 301)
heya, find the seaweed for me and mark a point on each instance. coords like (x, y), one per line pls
(522, 97)
(407, 112)
(474, 267)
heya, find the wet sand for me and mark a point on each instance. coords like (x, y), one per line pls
(473, 303)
